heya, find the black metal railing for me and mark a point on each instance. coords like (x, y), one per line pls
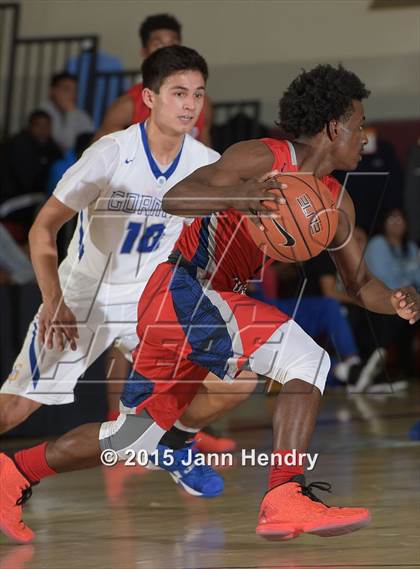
(35, 60)
(9, 24)
(235, 121)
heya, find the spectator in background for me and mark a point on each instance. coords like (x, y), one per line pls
(392, 257)
(15, 267)
(105, 89)
(25, 161)
(412, 205)
(159, 30)
(71, 157)
(377, 184)
(67, 120)
(412, 192)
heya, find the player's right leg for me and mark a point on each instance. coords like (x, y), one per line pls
(78, 449)
(14, 409)
(42, 376)
(75, 450)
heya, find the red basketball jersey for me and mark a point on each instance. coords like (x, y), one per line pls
(142, 111)
(220, 243)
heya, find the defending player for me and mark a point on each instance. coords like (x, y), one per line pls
(157, 31)
(191, 318)
(122, 234)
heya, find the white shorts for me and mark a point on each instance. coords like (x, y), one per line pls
(49, 376)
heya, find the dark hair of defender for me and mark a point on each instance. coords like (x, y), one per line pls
(158, 22)
(318, 96)
(169, 60)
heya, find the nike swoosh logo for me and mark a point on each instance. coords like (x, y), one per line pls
(128, 161)
(290, 240)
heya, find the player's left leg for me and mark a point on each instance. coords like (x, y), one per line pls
(214, 398)
(242, 331)
(292, 358)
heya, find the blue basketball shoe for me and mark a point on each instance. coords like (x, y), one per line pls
(414, 432)
(183, 466)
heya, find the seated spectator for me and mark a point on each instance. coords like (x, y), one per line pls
(395, 260)
(15, 267)
(391, 256)
(67, 120)
(25, 160)
(411, 192)
(71, 157)
(105, 88)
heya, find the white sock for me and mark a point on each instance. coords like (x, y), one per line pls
(182, 427)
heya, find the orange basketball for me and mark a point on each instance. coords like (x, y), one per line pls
(303, 226)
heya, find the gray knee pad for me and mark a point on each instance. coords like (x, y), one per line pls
(134, 432)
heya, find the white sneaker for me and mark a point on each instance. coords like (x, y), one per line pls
(368, 373)
(388, 387)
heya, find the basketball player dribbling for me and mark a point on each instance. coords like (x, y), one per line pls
(193, 316)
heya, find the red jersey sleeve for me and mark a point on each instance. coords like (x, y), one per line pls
(140, 110)
(333, 185)
(280, 152)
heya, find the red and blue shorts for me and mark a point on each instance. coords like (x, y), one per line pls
(188, 328)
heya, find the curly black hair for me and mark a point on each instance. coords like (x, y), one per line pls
(158, 22)
(318, 96)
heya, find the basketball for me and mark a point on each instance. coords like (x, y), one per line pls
(303, 226)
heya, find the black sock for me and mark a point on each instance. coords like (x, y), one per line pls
(176, 438)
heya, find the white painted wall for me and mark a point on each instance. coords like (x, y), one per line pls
(254, 47)
(238, 32)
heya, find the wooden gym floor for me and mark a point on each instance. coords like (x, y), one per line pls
(129, 518)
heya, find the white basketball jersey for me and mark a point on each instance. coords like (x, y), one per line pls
(122, 234)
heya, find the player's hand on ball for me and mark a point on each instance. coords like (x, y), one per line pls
(255, 196)
(406, 302)
(57, 324)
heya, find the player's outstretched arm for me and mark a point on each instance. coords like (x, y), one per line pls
(56, 319)
(240, 179)
(366, 290)
(117, 117)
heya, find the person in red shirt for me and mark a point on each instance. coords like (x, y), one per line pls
(156, 31)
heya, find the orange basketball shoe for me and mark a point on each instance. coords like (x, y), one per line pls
(205, 442)
(291, 509)
(15, 491)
